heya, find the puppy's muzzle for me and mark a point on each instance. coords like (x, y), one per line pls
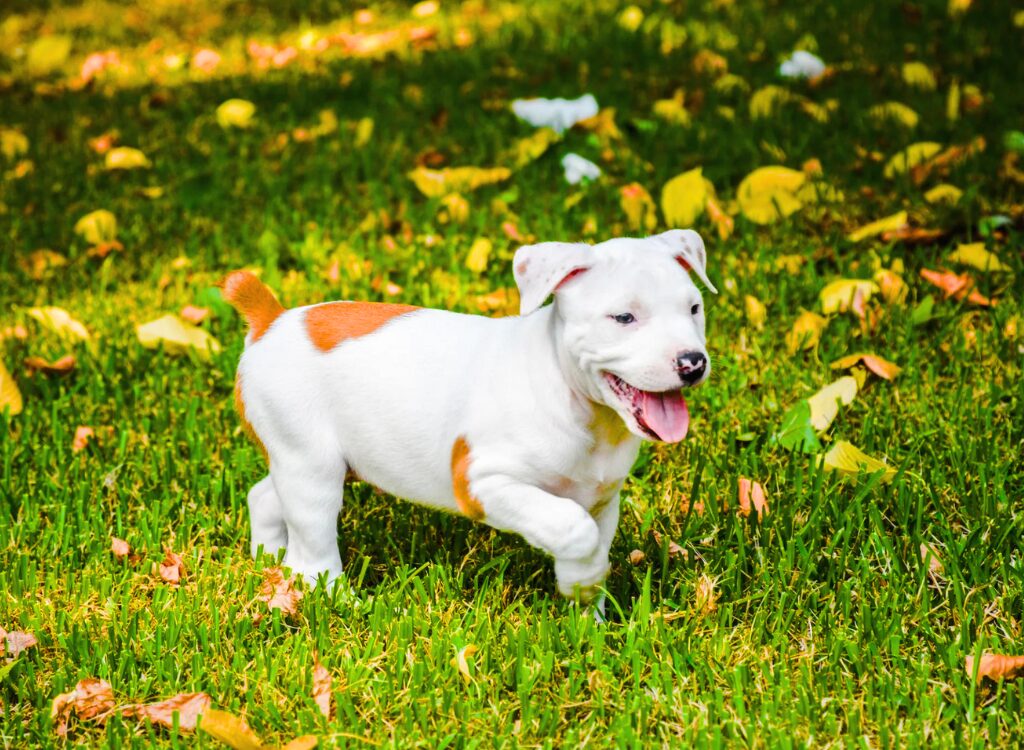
(691, 367)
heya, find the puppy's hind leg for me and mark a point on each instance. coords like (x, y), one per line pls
(310, 499)
(266, 518)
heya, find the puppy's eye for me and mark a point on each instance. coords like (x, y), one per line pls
(695, 309)
(624, 318)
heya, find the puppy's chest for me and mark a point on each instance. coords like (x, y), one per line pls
(592, 478)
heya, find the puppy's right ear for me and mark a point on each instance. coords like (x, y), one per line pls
(542, 269)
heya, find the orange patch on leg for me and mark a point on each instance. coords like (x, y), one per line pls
(330, 324)
(246, 424)
(468, 504)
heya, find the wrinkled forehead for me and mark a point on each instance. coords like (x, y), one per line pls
(629, 266)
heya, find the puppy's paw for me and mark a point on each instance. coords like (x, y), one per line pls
(578, 540)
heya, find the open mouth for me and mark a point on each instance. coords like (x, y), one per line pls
(663, 416)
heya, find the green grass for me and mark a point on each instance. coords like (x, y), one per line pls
(828, 630)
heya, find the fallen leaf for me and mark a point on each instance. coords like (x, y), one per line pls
(176, 336)
(97, 227)
(847, 459)
(930, 557)
(918, 75)
(59, 321)
(838, 296)
(636, 557)
(756, 312)
(279, 592)
(39, 263)
(436, 183)
(768, 100)
(10, 395)
(13, 143)
(956, 286)
(479, 253)
(888, 224)
(636, 202)
(172, 569)
(913, 155)
(83, 436)
(630, 18)
(975, 255)
(61, 366)
(120, 548)
(752, 498)
(894, 112)
(91, 699)
(124, 157)
(996, 667)
(322, 688)
(194, 315)
(364, 132)
(47, 54)
(825, 403)
(16, 641)
(187, 706)
(943, 194)
(674, 549)
(230, 729)
(952, 155)
(235, 113)
(673, 110)
(529, 149)
(683, 199)
(461, 661)
(770, 193)
(723, 222)
(883, 368)
(913, 235)
(806, 332)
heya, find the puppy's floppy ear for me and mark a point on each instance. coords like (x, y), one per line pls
(688, 249)
(541, 269)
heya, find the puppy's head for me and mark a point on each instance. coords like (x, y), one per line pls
(632, 321)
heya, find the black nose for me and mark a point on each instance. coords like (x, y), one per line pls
(691, 366)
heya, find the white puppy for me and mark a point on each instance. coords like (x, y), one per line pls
(529, 424)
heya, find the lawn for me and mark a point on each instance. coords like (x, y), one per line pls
(841, 614)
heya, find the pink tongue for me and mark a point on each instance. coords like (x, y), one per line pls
(666, 414)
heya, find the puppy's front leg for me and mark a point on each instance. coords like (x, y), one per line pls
(557, 525)
(585, 576)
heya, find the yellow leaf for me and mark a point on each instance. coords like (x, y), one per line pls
(461, 661)
(769, 193)
(806, 332)
(892, 286)
(97, 227)
(825, 403)
(235, 113)
(756, 311)
(631, 18)
(851, 461)
(888, 224)
(47, 54)
(364, 132)
(10, 396)
(425, 8)
(905, 160)
(124, 157)
(639, 207)
(458, 207)
(479, 253)
(976, 256)
(305, 742)
(883, 368)
(683, 198)
(838, 296)
(230, 730)
(59, 321)
(672, 110)
(918, 75)
(13, 143)
(894, 112)
(435, 183)
(766, 101)
(177, 336)
(943, 194)
(953, 102)
(530, 148)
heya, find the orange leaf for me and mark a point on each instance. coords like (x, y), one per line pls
(280, 592)
(752, 498)
(322, 688)
(636, 557)
(996, 667)
(674, 550)
(883, 368)
(172, 569)
(82, 437)
(951, 155)
(956, 286)
(913, 235)
(91, 699)
(194, 315)
(188, 707)
(61, 366)
(16, 641)
(119, 547)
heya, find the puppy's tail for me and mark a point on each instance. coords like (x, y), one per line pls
(253, 299)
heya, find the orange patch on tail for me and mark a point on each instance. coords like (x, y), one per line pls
(253, 299)
(246, 424)
(468, 504)
(330, 324)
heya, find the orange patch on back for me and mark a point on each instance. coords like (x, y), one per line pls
(468, 504)
(330, 324)
(253, 299)
(246, 424)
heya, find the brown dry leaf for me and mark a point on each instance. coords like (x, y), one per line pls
(279, 592)
(930, 556)
(674, 550)
(172, 569)
(16, 641)
(883, 368)
(120, 548)
(91, 699)
(194, 315)
(62, 366)
(956, 286)
(996, 667)
(706, 596)
(83, 436)
(636, 557)
(752, 498)
(322, 687)
(188, 707)
(914, 235)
